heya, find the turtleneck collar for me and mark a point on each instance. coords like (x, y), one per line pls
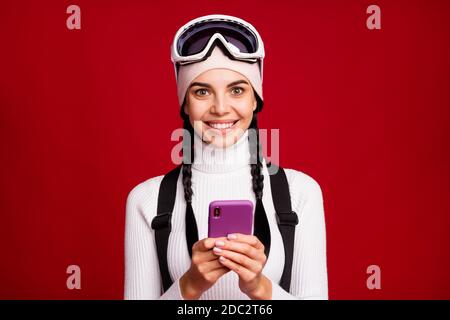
(209, 158)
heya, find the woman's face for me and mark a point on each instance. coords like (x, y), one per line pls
(220, 105)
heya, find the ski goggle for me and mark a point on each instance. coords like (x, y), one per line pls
(193, 41)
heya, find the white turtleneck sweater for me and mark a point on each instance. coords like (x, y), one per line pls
(216, 178)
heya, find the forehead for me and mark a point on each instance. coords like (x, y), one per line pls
(219, 76)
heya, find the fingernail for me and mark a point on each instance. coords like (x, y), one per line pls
(218, 250)
(232, 236)
(222, 258)
(220, 243)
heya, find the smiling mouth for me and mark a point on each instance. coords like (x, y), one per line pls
(221, 126)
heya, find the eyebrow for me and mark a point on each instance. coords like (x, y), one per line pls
(207, 85)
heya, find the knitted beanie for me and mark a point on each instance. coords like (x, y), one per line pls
(218, 59)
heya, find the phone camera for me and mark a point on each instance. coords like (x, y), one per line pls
(217, 212)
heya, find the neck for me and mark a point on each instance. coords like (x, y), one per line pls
(210, 158)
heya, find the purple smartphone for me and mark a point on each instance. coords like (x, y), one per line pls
(230, 216)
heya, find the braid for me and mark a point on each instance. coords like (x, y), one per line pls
(188, 156)
(256, 168)
(261, 223)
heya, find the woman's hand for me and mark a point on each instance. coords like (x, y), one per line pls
(205, 269)
(244, 254)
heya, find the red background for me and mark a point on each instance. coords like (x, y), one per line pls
(87, 114)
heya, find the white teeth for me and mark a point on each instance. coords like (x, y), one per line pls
(221, 125)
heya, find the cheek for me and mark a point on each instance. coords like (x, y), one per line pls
(245, 111)
(197, 109)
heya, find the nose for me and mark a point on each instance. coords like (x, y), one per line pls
(220, 106)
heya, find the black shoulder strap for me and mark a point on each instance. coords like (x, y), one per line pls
(286, 219)
(161, 223)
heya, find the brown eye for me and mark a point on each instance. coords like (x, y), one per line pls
(237, 90)
(201, 92)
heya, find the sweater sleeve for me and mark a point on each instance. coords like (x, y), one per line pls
(309, 280)
(142, 276)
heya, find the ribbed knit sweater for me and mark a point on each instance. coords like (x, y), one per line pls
(224, 174)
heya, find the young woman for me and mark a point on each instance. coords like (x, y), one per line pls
(218, 63)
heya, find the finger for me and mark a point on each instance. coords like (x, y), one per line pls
(241, 259)
(243, 248)
(200, 256)
(203, 256)
(210, 266)
(249, 239)
(242, 272)
(205, 244)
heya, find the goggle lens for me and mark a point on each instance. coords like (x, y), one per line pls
(195, 39)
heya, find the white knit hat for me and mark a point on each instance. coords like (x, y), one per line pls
(218, 59)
